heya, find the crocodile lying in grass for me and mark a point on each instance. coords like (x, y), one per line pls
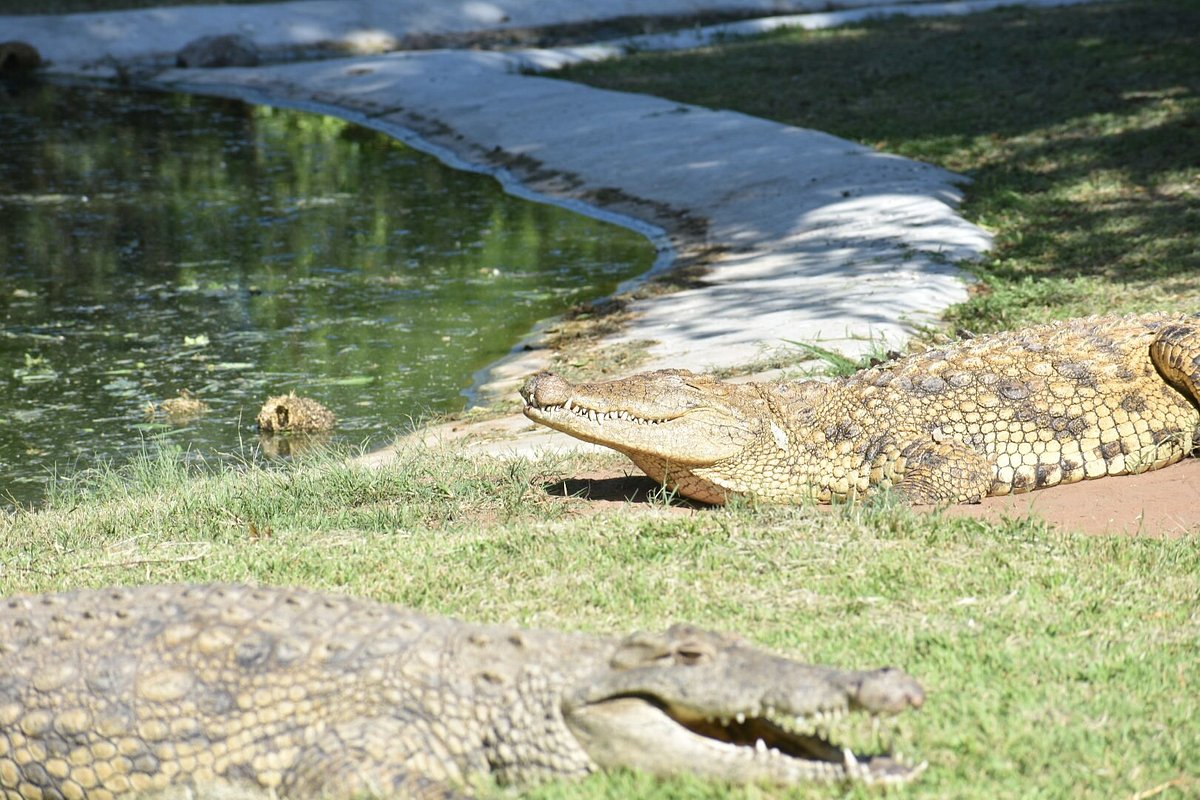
(290, 693)
(988, 416)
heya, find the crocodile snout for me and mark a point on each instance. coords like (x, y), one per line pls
(546, 389)
(889, 690)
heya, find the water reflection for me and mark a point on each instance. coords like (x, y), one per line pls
(155, 243)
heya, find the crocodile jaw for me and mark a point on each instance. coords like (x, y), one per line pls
(656, 418)
(692, 701)
(639, 733)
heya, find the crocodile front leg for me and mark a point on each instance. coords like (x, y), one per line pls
(379, 756)
(1175, 351)
(944, 472)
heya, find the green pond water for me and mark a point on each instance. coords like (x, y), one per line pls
(152, 243)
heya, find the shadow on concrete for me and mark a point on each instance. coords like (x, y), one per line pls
(1123, 75)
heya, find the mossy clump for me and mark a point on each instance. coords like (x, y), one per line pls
(179, 410)
(18, 58)
(291, 413)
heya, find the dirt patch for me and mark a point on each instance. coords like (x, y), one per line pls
(1164, 503)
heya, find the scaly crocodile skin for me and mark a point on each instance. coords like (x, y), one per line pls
(290, 693)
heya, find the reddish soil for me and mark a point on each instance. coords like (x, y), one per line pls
(1165, 502)
(1161, 503)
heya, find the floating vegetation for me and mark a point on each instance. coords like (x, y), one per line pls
(36, 370)
(179, 410)
(290, 413)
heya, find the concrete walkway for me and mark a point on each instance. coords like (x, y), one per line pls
(816, 238)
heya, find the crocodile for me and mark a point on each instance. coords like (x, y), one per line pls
(277, 692)
(992, 415)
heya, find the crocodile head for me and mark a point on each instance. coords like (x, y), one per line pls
(687, 431)
(696, 702)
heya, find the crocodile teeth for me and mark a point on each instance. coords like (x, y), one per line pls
(760, 746)
(741, 718)
(600, 416)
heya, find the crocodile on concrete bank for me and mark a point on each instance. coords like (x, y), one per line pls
(993, 415)
(292, 693)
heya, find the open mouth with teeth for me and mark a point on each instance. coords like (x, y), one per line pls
(644, 733)
(808, 745)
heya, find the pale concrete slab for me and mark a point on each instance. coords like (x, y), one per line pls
(509, 436)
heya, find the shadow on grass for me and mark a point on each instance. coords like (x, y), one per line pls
(618, 489)
(1079, 126)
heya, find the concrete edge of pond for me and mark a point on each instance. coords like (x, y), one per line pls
(803, 236)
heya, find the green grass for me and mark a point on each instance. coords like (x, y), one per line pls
(1079, 126)
(1056, 665)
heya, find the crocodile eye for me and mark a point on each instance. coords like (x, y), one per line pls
(688, 657)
